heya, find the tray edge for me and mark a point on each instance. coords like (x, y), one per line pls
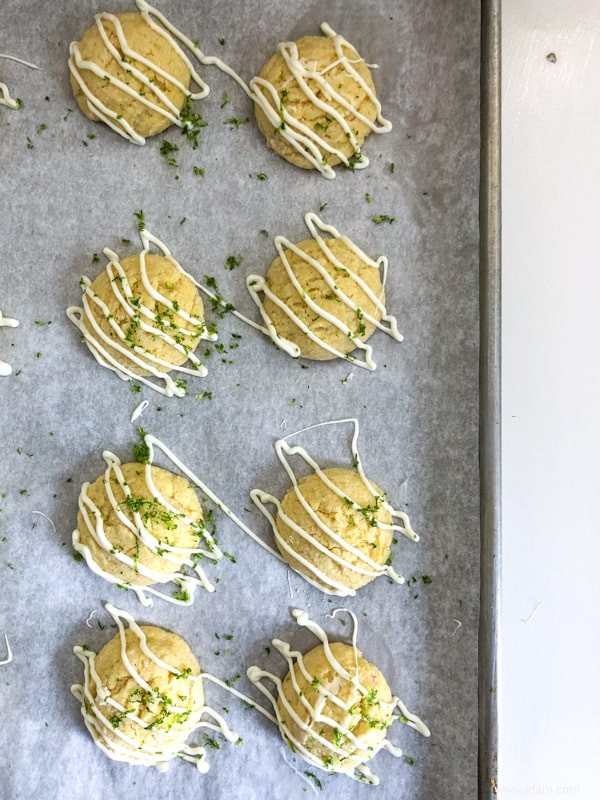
(490, 401)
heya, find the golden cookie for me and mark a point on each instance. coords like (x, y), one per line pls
(165, 526)
(318, 724)
(308, 97)
(171, 337)
(359, 528)
(105, 83)
(354, 326)
(142, 695)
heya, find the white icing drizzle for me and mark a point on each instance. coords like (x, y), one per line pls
(5, 97)
(304, 138)
(101, 345)
(88, 620)
(6, 322)
(47, 518)
(257, 284)
(9, 654)
(114, 742)
(296, 667)
(148, 12)
(366, 565)
(182, 556)
(139, 410)
(240, 696)
(297, 772)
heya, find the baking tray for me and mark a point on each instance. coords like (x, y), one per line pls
(70, 195)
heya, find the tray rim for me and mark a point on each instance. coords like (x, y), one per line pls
(490, 398)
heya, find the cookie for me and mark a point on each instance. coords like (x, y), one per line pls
(315, 103)
(333, 708)
(338, 542)
(142, 695)
(328, 320)
(143, 316)
(340, 713)
(134, 534)
(167, 703)
(130, 75)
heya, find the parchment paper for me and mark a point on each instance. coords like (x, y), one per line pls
(65, 196)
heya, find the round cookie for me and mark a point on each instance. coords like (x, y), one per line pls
(163, 524)
(176, 288)
(366, 710)
(170, 708)
(358, 528)
(128, 108)
(316, 53)
(316, 288)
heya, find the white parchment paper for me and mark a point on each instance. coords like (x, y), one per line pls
(64, 196)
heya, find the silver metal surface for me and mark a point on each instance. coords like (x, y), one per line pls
(489, 453)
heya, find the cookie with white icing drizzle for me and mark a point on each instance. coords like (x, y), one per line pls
(345, 536)
(295, 281)
(142, 696)
(165, 314)
(167, 709)
(334, 708)
(351, 726)
(324, 297)
(334, 526)
(141, 526)
(316, 103)
(127, 73)
(109, 530)
(143, 317)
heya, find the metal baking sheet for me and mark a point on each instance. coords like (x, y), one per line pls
(70, 187)
(489, 411)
